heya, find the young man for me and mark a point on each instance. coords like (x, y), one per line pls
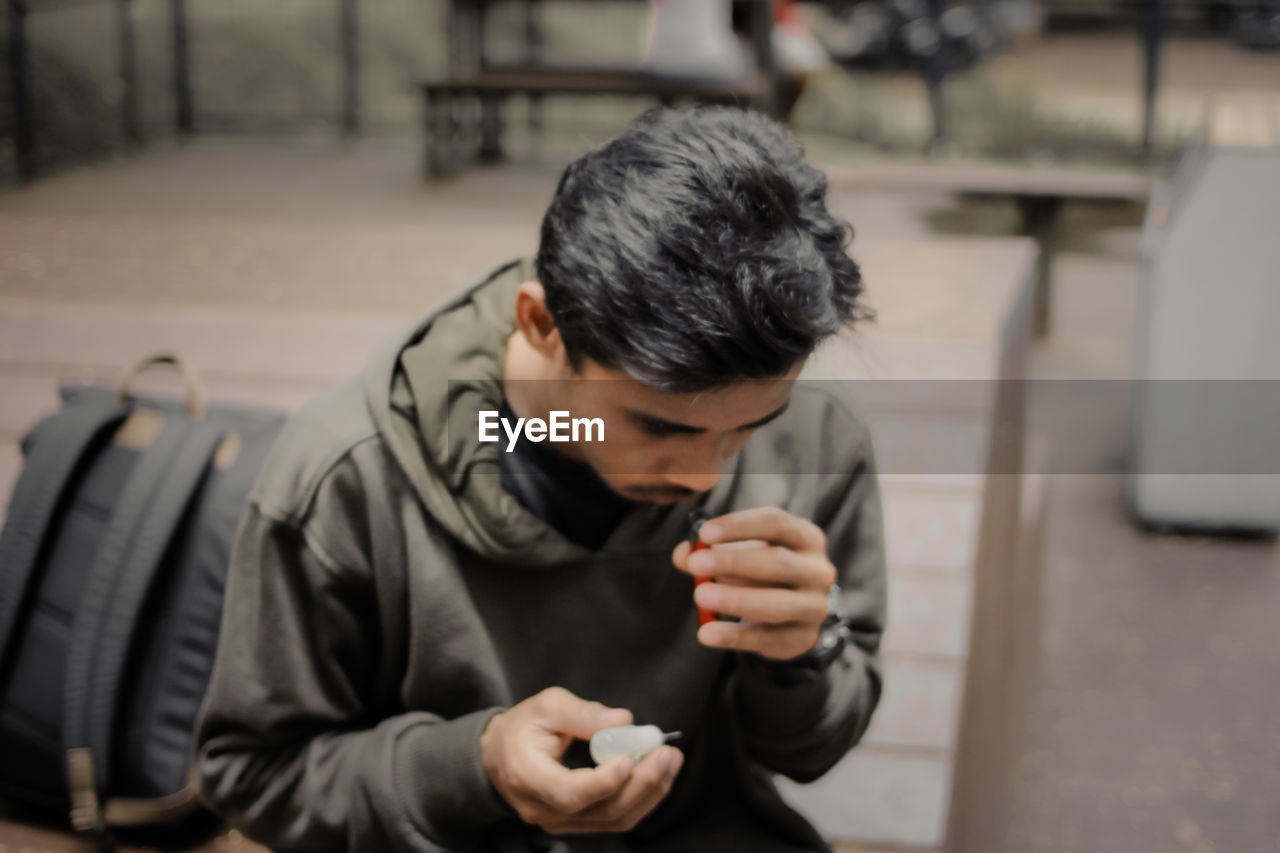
(421, 628)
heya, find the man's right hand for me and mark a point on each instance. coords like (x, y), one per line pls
(521, 750)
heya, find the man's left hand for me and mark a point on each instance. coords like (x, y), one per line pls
(770, 569)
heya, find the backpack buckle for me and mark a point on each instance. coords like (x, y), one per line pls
(86, 809)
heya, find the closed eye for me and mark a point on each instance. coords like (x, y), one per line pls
(661, 427)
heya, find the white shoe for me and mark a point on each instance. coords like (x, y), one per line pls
(694, 40)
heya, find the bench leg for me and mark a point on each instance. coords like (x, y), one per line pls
(1155, 23)
(429, 106)
(536, 123)
(1040, 215)
(440, 157)
(938, 111)
(491, 124)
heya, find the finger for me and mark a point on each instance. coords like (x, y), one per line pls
(764, 605)
(729, 580)
(768, 523)
(680, 556)
(681, 553)
(649, 784)
(778, 642)
(566, 792)
(774, 564)
(646, 798)
(561, 712)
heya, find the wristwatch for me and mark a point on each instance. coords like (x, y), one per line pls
(832, 638)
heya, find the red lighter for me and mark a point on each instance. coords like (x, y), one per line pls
(696, 519)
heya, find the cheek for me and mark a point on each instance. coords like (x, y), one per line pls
(630, 451)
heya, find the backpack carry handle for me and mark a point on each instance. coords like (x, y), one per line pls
(196, 397)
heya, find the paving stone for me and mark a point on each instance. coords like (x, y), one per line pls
(10, 467)
(922, 398)
(26, 838)
(28, 398)
(965, 485)
(928, 445)
(920, 706)
(39, 335)
(928, 615)
(930, 531)
(868, 355)
(878, 796)
(344, 265)
(961, 288)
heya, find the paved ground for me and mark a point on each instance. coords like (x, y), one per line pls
(1153, 728)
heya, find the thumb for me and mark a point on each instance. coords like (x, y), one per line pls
(564, 713)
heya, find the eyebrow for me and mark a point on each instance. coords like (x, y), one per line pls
(689, 429)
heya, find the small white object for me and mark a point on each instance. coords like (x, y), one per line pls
(635, 741)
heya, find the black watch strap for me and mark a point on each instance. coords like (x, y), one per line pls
(832, 638)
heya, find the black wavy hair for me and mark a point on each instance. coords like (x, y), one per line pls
(696, 249)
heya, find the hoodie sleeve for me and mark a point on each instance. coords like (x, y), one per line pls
(288, 752)
(802, 730)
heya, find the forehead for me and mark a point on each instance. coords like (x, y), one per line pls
(731, 405)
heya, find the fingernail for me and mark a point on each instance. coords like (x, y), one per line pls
(625, 766)
(673, 761)
(712, 634)
(702, 562)
(706, 596)
(710, 532)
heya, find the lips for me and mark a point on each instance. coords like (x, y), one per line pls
(659, 494)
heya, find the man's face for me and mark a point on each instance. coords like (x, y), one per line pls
(662, 447)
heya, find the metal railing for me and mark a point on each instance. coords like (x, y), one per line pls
(25, 138)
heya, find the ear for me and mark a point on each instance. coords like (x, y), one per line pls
(534, 321)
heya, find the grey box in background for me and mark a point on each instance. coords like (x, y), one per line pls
(1204, 452)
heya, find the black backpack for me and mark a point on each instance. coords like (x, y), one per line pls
(113, 561)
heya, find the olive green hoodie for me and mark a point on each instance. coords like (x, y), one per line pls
(387, 597)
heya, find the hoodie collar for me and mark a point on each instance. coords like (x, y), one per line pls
(424, 389)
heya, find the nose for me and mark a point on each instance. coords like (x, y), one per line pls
(700, 466)
(693, 481)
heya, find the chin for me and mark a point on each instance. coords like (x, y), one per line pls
(653, 495)
(663, 501)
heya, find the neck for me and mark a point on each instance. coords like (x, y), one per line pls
(529, 382)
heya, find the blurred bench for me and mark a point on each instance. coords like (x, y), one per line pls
(27, 838)
(932, 771)
(939, 379)
(1039, 193)
(450, 136)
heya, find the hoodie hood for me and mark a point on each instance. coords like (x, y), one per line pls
(424, 390)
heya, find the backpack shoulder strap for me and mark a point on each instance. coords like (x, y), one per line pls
(151, 507)
(48, 469)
